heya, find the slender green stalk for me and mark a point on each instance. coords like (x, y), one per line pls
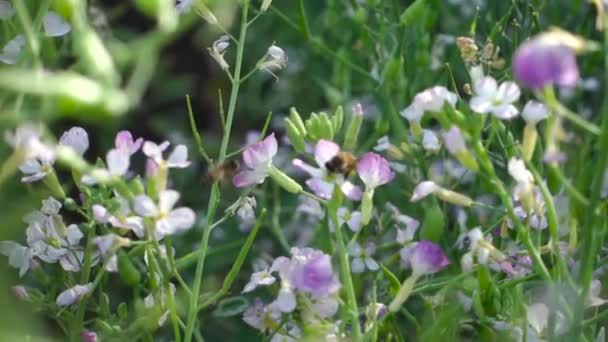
(84, 278)
(30, 34)
(523, 233)
(214, 197)
(345, 274)
(595, 231)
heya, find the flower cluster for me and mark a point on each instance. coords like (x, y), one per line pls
(308, 285)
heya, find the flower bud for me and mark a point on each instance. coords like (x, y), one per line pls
(295, 137)
(326, 126)
(284, 180)
(296, 119)
(454, 197)
(338, 119)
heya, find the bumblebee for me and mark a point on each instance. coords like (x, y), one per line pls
(222, 172)
(343, 163)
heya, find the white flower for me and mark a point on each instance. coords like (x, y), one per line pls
(265, 277)
(275, 60)
(26, 140)
(362, 258)
(117, 164)
(498, 100)
(6, 9)
(217, 51)
(429, 100)
(76, 138)
(19, 257)
(34, 170)
(534, 112)
(178, 158)
(73, 294)
(12, 50)
(352, 219)
(430, 142)
(169, 221)
(54, 25)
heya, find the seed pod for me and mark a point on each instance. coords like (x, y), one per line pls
(284, 180)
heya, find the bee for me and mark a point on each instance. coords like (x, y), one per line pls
(343, 163)
(222, 172)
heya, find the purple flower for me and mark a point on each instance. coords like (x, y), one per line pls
(322, 182)
(427, 258)
(538, 63)
(374, 170)
(258, 159)
(312, 272)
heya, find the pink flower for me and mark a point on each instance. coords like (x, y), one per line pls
(124, 141)
(322, 182)
(538, 63)
(427, 258)
(374, 170)
(258, 159)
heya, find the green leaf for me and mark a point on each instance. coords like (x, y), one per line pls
(395, 284)
(433, 224)
(231, 307)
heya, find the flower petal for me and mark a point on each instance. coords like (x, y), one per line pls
(248, 178)
(261, 153)
(423, 189)
(118, 162)
(325, 150)
(54, 25)
(320, 187)
(179, 157)
(374, 170)
(144, 206)
(76, 138)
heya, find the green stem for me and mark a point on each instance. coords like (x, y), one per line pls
(214, 197)
(30, 34)
(345, 273)
(303, 20)
(84, 278)
(523, 233)
(596, 226)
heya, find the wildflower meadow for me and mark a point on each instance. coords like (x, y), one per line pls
(303, 170)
